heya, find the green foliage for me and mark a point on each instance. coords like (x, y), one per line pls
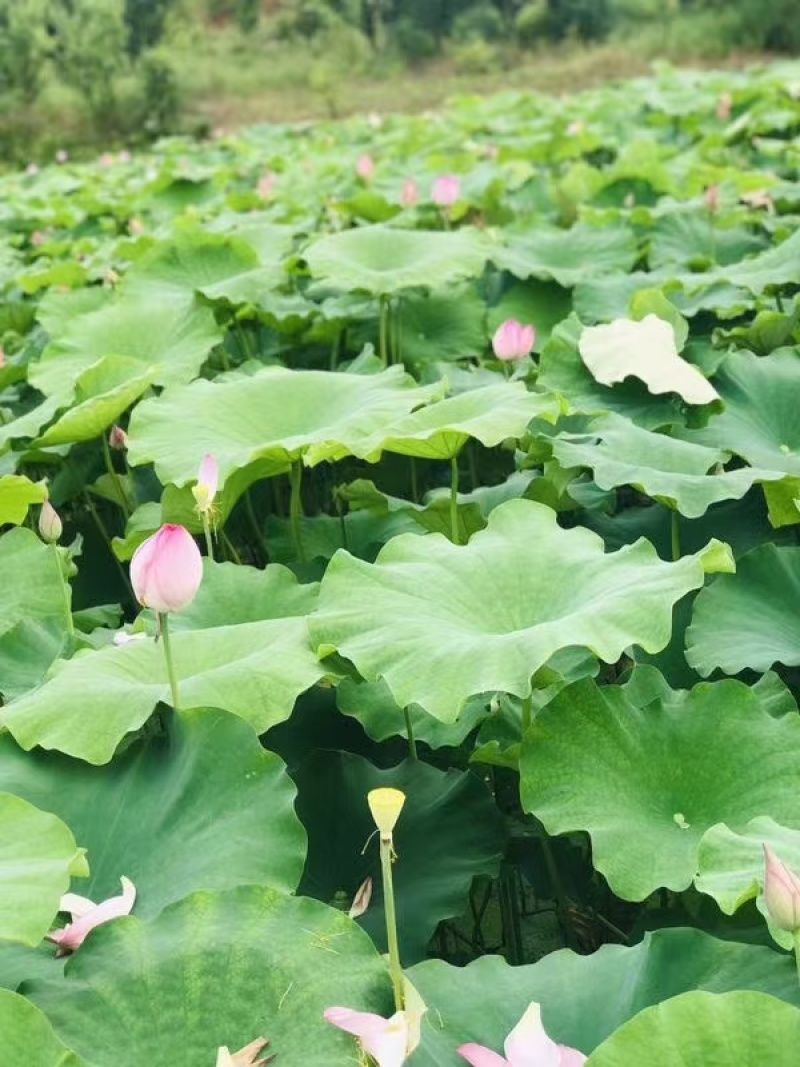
(91, 52)
(145, 21)
(24, 46)
(483, 21)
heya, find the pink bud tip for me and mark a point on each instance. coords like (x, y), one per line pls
(118, 439)
(365, 167)
(781, 892)
(410, 193)
(50, 527)
(446, 190)
(166, 570)
(512, 340)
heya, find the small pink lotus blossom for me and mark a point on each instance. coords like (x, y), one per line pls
(365, 167)
(86, 915)
(207, 483)
(526, 1046)
(446, 190)
(724, 105)
(266, 185)
(781, 892)
(388, 1041)
(117, 438)
(409, 195)
(166, 570)
(712, 198)
(512, 340)
(50, 527)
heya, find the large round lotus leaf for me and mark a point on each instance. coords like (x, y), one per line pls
(568, 256)
(731, 865)
(648, 783)
(380, 259)
(17, 493)
(745, 1029)
(779, 265)
(216, 969)
(254, 662)
(449, 831)
(441, 326)
(759, 423)
(688, 236)
(35, 606)
(675, 472)
(584, 999)
(169, 338)
(441, 622)
(749, 619)
(275, 414)
(646, 350)
(489, 415)
(28, 1037)
(38, 855)
(202, 806)
(562, 371)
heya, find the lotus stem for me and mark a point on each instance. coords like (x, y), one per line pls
(796, 938)
(207, 534)
(296, 509)
(454, 532)
(675, 531)
(395, 968)
(412, 744)
(383, 329)
(65, 590)
(123, 499)
(173, 678)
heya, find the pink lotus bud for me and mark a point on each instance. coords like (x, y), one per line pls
(166, 570)
(117, 438)
(446, 190)
(361, 899)
(410, 193)
(512, 340)
(375, 120)
(124, 156)
(575, 128)
(31, 170)
(712, 198)
(135, 227)
(207, 483)
(37, 238)
(62, 155)
(266, 185)
(107, 159)
(724, 105)
(526, 1046)
(781, 892)
(365, 167)
(50, 527)
(86, 915)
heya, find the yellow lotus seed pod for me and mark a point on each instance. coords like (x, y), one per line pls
(386, 805)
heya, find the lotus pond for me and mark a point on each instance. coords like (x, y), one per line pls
(543, 586)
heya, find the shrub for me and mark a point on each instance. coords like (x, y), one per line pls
(531, 23)
(475, 56)
(482, 22)
(412, 41)
(24, 46)
(91, 52)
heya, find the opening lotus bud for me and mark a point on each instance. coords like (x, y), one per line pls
(50, 526)
(386, 805)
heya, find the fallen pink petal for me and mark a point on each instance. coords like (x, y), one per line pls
(86, 916)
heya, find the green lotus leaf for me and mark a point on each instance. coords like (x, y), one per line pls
(750, 619)
(759, 422)
(647, 783)
(255, 665)
(687, 237)
(38, 855)
(276, 414)
(441, 326)
(201, 806)
(17, 493)
(34, 626)
(487, 615)
(731, 865)
(747, 1029)
(776, 266)
(216, 969)
(28, 1036)
(568, 256)
(449, 832)
(585, 999)
(383, 260)
(646, 350)
(170, 339)
(489, 415)
(675, 472)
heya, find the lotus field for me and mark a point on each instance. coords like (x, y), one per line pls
(400, 590)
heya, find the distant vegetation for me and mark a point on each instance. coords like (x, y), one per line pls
(95, 72)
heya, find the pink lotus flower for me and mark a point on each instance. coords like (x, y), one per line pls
(512, 340)
(781, 892)
(410, 193)
(118, 439)
(135, 227)
(207, 483)
(365, 167)
(86, 915)
(526, 1046)
(724, 105)
(266, 185)
(446, 190)
(388, 1041)
(50, 527)
(166, 570)
(38, 238)
(712, 198)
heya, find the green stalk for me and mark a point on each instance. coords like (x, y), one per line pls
(454, 532)
(412, 744)
(675, 531)
(414, 486)
(527, 713)
(395, 968)
(796, 937)
(383, 330)
(123, 499)
(65, 589)
(173, 678)
(207, 533)
(101, 528)
(296, 509)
